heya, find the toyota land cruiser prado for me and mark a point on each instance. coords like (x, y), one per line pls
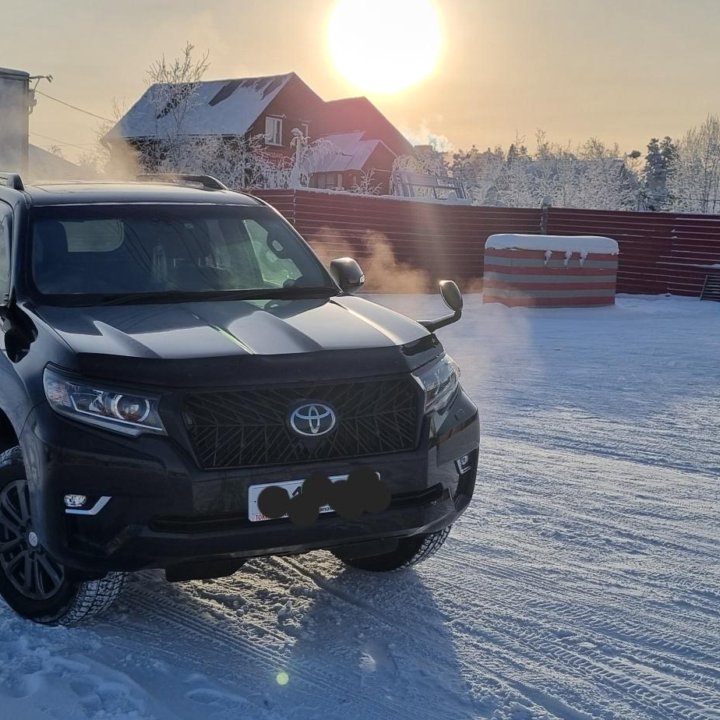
(184, 385)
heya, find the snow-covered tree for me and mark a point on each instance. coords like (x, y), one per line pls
(367, 184)
(430, 160)
(174, 95)
(308, 157)
(694, 185)
(479, 171)
(591, 175)
(660, 163)
(421, 172)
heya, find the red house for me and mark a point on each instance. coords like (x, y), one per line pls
(367, 142)
(361, 143)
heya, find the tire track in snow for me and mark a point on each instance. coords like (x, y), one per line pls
(420, 630)
(421, 635)
(230, 636)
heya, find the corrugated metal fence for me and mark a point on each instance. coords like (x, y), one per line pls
(659, 252)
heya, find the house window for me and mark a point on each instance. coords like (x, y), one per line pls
(273, 131)
(305, 127)
(329, 181)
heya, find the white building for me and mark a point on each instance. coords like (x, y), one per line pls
(14, 119)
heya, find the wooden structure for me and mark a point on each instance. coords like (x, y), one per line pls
(659, 252)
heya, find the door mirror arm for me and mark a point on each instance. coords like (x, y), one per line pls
(452, 296)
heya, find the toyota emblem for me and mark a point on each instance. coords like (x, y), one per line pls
(313, 419)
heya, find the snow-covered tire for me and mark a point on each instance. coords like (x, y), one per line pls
(93, 597)
(51, 595)
(410, 551)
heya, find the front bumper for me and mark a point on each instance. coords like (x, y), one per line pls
(164, 510)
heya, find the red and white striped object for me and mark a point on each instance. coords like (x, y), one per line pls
(550, 270)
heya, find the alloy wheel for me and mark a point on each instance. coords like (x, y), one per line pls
(23, 560)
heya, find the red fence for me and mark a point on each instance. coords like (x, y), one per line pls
(659, 252)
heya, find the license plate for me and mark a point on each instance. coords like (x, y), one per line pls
(293, 487)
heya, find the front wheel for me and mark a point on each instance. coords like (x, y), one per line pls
(32, 582)
(410, 551)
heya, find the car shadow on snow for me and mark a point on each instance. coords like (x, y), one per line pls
(293, 637)
(382, 646)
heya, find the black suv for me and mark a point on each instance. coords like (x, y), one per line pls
(184, 385)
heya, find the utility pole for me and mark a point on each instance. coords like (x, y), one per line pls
(544, 214)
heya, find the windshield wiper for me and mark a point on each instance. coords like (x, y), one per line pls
(174, 296)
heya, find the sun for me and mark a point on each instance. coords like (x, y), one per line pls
(385, 46)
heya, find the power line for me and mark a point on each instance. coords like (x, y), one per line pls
(74, 107)
(62, 142)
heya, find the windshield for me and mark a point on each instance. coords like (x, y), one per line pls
(124, 252)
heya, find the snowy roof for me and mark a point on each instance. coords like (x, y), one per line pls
(350, 151)
(358, 114)
(558, 243)
(48, 166)
(9, 72)
(217, 107)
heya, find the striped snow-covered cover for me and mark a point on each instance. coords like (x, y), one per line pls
(550, 271)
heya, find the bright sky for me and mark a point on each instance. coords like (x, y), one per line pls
(619, 70)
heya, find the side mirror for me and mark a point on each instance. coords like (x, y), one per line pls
(452, 297)
(18, 331)
(347, 274)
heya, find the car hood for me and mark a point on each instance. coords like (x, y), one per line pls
(184, 331)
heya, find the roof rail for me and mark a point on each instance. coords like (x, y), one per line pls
(208, 182)
(11, 180)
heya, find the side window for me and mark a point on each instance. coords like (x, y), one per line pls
(5, 228)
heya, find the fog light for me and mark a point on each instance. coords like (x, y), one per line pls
(75, 501)
(463, 464)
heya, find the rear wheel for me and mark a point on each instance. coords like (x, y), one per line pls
(410, 551)
(32, 582)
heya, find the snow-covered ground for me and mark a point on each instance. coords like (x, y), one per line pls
(583, 582)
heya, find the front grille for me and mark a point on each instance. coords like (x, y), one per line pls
(249, 428)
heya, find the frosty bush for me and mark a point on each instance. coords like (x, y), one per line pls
(591, 175)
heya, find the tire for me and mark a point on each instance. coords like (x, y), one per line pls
(32, 583)
(410, 551)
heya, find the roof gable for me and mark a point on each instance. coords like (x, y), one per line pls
(359, 114)
(47, 165)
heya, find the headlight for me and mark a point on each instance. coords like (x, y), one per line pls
(122, 412)
(439, 381)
